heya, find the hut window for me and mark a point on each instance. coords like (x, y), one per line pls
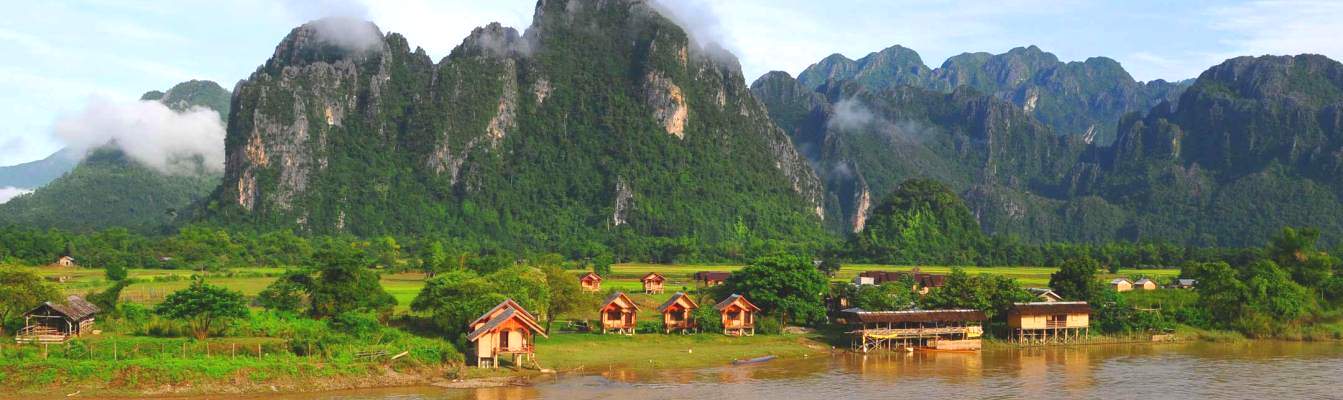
(678, 315)
(613, 315)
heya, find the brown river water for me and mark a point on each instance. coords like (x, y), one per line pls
(1251, 370)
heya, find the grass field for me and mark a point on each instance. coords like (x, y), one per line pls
(587, 350)
(152, 285)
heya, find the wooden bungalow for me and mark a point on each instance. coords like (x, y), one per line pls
(678, 314)
(958, 329)
(591, 282)
(1121, 285)
(507, 329)
(738, 315)
(65, 261)
(619, 314)
(711, 278)
(653, 283)
(1043, 322)
(54, 322)
(1184, 284)
(1045, 294)
(1145, 284)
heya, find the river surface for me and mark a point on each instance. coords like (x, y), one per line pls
(1252, 370)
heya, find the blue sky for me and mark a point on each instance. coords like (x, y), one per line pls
(60, 55)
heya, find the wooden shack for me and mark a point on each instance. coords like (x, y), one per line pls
(54, 322)
(1121, 285)
(1184, 284)
(738, 315)
(956, 329)
(507, 329)
(712, 278)
(1145, 284)
(65, 261)
(1044, 322)
(678, 314)
(591, 282)
(653, 283)
(619, 314)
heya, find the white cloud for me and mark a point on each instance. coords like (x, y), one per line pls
(1281, 28)
(10, 192)
(149, 132)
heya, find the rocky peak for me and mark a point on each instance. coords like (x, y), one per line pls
(493, 40)
(327, 40)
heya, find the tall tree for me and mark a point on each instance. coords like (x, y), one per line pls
(788, 286)
(21, 290)
(203, 305)
(1076, 279)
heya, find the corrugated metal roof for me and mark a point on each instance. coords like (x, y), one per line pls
(1050, 307)
(863, 316)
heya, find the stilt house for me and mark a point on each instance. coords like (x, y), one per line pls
(1042, 322)
(678, 314)
(591, 282)
(619, 314)
(738, 315)
(652, 283)
(507, 329)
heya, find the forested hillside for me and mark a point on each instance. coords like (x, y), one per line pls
(602, 125)
(108, 188)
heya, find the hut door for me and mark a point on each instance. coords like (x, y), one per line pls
(503, 339)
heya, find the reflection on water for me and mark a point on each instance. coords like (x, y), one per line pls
(1196, 370)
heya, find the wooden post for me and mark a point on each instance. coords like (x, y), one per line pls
(233, 348)
(114, 351)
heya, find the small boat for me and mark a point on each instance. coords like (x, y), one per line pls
(756, 360)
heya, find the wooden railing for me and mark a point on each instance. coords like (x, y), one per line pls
(40, 334)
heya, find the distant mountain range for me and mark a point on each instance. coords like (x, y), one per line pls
(1252, 145)
(1076, 98)
(37, 173)
(106, 188)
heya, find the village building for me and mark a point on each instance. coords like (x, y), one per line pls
(922, 282)
(653, 283)
(1121, 285)
(591, 282)
(619, 314)
(738, 315)
(1145, 284)
(711, 278)
(1045, 322)
(958, 329)
(864, 281)
(1044, 294)
(507, 329)
(54, 322)
(1184, 284)
(65, 261)
(678, 314)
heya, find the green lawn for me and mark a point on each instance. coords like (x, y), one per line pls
(590, 350)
